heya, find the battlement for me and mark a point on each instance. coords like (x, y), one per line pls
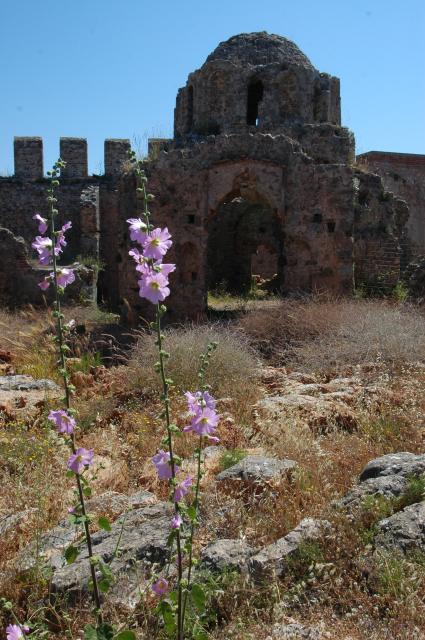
(29, 165)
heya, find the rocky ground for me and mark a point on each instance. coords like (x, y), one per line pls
(313, 516)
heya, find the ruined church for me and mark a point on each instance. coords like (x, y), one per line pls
(259, 181)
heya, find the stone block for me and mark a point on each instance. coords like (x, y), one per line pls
(28, 157)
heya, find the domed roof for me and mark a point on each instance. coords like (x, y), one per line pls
(259, 48)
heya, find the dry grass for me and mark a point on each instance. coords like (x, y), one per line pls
(233, 372)
(373, 600)
(322, 335)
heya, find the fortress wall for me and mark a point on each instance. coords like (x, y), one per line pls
(404, 175)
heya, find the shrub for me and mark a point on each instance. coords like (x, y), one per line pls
(233, 371)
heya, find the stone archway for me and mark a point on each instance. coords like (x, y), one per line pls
(239, 229)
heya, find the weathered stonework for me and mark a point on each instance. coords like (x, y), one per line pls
(259, 182)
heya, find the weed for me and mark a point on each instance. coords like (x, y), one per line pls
(230, 458)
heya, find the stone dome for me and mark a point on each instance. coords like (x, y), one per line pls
(259, 48)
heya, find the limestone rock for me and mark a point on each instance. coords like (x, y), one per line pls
(257, 469)
(227, 554)
(386, 486)
(112, 503)
(15, 521)
(402, 464)
(22, 393)
(273, 559)
(404, 530)
(297, 631)
(142, 540)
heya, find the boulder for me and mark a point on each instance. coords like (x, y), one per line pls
(387, 486)
(297, 631)
(227, 554)
(22, 393)
(273, 559)
(403, 531)
(402, 464)
(141, 539)
(257, 469)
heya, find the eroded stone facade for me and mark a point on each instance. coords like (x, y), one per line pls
(259, 181)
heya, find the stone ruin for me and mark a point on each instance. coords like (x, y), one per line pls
(259, 181)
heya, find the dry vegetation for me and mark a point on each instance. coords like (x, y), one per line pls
(332, 583)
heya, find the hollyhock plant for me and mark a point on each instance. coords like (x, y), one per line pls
(43, 246)
(177, 521)
(157, 243)
(138, 230)
(42, 223)
(64, 422)
(15, 631)
(182, 488)
(65, 277)
(163, 467)
(160, 587)
(154, 287)
(79, 460)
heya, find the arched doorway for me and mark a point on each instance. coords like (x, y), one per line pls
(245, 242)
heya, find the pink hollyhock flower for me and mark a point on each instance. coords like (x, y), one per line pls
(182, 488)
(139, 258)
(163, 467)
(177, 521)
(163, 268)
(160, 587)
(157, 243)
(137, 230)
(70, 325)
(71, 510)
(43, 246)
(45, 283)
(204, 422)
(14, 632)
(62, 420)
(60, 240)
(154, 287)
(80, 459)
(42, 223)
(195, 401)
(65, 277)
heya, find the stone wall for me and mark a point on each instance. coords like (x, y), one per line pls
(404, 175)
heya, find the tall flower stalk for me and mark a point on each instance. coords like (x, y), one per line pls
(49, 245)
(202, 417)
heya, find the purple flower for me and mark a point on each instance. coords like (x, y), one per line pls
(80, 459)
(63, 421)
(42, 223)
(164, 268)
(157, 243)
(163, 467)
(71, 510)
(60, 240)
(43, 246)
(14, 632)
(154, 287)
(195, 401)
(45, 283)
(160, 587)
(177, 521)
(137, 230)
(182, 488)
(65, 277)
(205, 422)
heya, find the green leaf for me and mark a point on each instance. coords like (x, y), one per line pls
(104, 585)
(105, 632)
(125, 635)
(87, 492)
(198, 597)
(71, 554)
(90, 632)
(104, 523)
(191, 514)
(70, 474)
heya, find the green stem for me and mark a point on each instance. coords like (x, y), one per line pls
(166, 400)
(65, 377)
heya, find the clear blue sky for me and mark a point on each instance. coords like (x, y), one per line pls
(111, 68)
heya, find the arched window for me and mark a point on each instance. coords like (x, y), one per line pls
(255, 95)
(189, 120)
